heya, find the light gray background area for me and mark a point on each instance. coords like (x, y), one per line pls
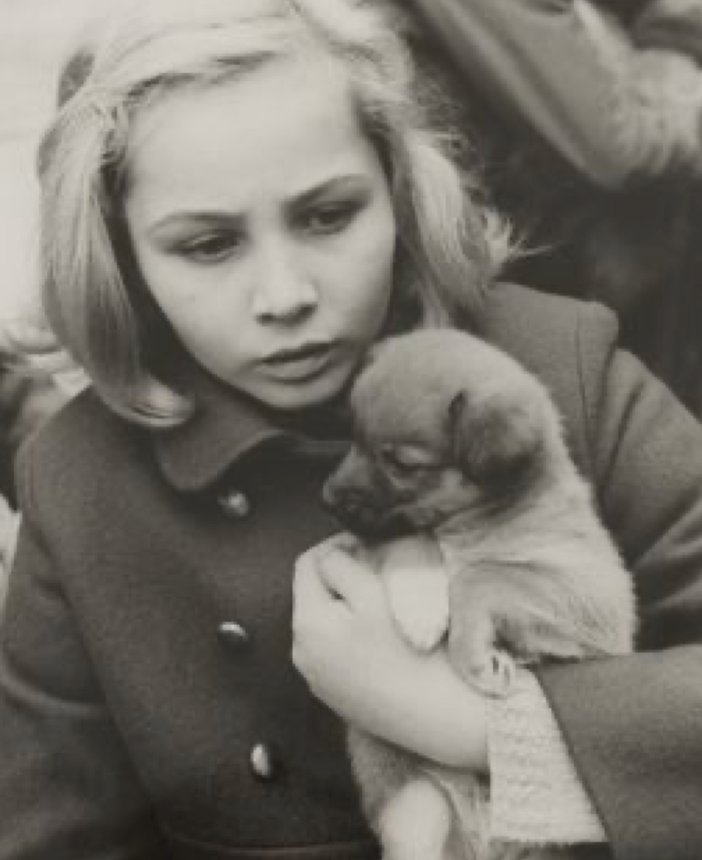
(34, 37)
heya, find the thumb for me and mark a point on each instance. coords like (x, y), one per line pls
(343, 575)
(315, 577)
(336, 569)
(308, 585)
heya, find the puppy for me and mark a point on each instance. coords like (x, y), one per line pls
(454, 440)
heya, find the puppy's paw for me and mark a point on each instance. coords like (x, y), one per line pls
(417, 586)
(494, 673)
(420, 609)
(416, 822)
(422, 618)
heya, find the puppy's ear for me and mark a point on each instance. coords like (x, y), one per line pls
(495, 438)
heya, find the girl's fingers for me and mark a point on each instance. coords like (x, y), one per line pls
(316, 581)
(310, 558)
(341, 542)
(344, 576)
(308, 586)
(330, 571)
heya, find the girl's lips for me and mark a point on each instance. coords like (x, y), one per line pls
(301, 364)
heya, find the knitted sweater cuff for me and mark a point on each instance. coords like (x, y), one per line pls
(536, 795)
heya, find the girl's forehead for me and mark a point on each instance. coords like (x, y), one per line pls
(277, 130)
(265, 84)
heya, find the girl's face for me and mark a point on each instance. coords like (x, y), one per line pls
(262, 223)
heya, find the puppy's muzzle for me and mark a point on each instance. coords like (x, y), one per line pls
(350, 506)
(349, 495)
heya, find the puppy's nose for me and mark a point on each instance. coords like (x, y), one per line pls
(337, 498)
(343, 479)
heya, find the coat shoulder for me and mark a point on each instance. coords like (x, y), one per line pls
(83, 445)
(83, 425)
(543, 328)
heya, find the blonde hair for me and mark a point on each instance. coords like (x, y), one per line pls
(449, 248)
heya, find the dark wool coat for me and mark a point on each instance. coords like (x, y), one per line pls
(148, 704)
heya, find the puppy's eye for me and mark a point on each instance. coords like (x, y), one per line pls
(406, 460)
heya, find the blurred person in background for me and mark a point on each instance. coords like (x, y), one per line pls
(28, 396)
(585, 117)
(36, 379)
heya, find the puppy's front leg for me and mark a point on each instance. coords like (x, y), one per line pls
(416, 822)
(416, 582)
(485, 607)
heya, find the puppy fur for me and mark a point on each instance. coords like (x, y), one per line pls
(454, 440)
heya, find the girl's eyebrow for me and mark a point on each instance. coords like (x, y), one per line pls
(197, 217)
(346, 182)
(206, 217)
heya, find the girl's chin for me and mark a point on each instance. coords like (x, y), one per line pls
(295, 395)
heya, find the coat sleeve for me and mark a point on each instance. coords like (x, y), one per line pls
(572, 73)
(67, 788)
(632, 724)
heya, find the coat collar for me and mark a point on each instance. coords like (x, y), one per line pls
(226, 427)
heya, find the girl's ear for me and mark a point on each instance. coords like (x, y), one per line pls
(495, 438)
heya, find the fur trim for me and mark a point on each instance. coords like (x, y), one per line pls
(674, 25)
(656, 96)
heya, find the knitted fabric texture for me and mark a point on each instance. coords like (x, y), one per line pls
(536, 795)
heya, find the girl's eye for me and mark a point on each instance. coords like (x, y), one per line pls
(328, 218)
(211, 248)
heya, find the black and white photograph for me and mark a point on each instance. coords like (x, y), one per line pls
(351, 430)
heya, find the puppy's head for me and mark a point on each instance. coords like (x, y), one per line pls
(443, 422)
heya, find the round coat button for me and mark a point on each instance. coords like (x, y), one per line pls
(235, 504)
(264, 764)
(233, 635)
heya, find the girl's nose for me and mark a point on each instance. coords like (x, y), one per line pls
(284, 290)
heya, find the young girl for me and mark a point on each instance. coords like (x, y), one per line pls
(238, 199)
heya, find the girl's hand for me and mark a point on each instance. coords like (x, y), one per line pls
(348, 649)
